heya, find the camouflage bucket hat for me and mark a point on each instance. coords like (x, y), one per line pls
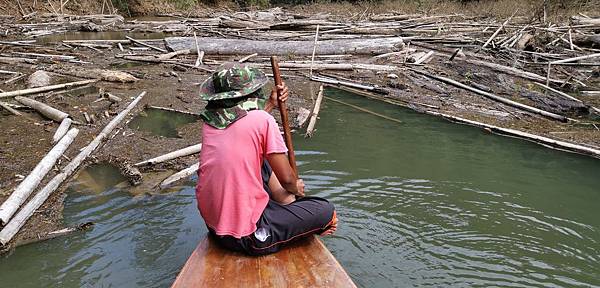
(232, 80)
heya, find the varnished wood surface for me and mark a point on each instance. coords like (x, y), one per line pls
(306, 263)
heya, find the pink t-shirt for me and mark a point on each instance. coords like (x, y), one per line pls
(230, 190)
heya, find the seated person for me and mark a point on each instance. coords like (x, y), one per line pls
(247, 191)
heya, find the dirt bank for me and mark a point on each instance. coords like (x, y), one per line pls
(172, 82)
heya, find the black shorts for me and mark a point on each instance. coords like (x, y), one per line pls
(281, 224)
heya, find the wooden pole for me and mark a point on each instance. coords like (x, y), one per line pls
(315, 114)
(284, 116)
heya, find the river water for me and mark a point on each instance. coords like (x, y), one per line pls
(421, 203)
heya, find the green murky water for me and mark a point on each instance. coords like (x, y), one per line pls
(422, 203)
(161, 122)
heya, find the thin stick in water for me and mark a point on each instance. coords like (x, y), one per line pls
(363, 110)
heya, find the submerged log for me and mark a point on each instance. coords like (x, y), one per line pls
(13, 227)
(54, 234)
(326, 47)
(44, 109)
(172, 155)
(22, 192)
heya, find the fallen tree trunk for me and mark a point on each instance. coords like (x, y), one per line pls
(315, 114)
(493, 97)
(62, 129)
(335, 66)
(22, 192)
(572, 147)
(187, 172)
(326, 47)
(45, 89)
(11, 229)
(44, 109)
(172, 155)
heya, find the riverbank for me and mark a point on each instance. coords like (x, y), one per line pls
(448, 46)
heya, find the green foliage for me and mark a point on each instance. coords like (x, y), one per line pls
(122, 6)
(184, 4)
(252, 3)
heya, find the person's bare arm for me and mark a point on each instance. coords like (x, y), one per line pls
(278, 193)
(272, 103)
(285, 175)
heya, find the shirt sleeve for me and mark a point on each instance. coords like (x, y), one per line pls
(273, 141)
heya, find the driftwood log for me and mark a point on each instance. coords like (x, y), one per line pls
(44, 109)
(22, 192)
(326, 47)
(187, 172)
(172, 155)
(62, 129)
(13, 227)
(45, 88)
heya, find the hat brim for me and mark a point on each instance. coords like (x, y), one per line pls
(208, 92)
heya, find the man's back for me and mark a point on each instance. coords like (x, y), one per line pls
(230, 192)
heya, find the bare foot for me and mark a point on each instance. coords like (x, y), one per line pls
(332, 227)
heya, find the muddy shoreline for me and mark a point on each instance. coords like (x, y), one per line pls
(26, 139)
